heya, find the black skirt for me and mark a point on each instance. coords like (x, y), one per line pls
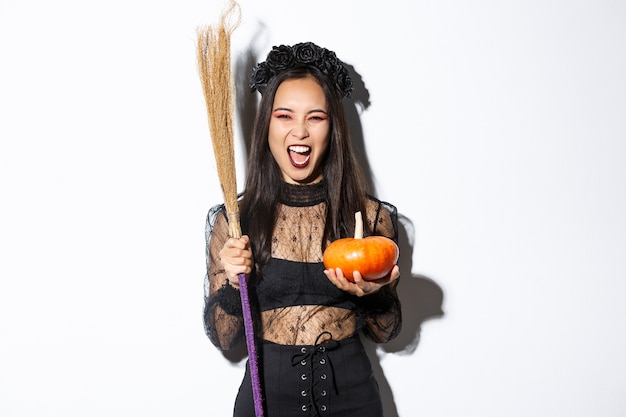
(332, 379)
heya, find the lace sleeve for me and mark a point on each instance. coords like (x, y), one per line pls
(223, 321)
(380, 314)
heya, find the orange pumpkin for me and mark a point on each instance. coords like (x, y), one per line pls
(372, 256)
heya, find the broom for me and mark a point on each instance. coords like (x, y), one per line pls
(213, 54)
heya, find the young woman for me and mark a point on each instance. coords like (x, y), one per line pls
(303, 187)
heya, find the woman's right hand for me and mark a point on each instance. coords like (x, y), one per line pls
(236, 257)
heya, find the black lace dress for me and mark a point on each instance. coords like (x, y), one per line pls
(312, 361)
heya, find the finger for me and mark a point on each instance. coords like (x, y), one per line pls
(235, 243)
(339, 274)
(231, 252)
(367, 287)
(330, 273)
(335, 275)
(395, 273)
(353, 286)
(391, 277)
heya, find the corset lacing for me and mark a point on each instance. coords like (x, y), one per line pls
(317, 374)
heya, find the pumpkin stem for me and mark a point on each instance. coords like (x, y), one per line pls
(358, 225)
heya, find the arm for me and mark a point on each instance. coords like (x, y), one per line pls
(378, 307)
(223, 321)
(381, 311)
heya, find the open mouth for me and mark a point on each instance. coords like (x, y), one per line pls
(299, 155)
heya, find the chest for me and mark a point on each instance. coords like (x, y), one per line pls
(298, 234)
(287, 283)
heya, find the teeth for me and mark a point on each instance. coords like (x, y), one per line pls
(300, 149)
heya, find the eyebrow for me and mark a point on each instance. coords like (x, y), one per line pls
(291, 111)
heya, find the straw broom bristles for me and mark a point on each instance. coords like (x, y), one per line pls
(213, 54)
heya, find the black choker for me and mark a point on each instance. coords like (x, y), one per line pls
(302, 195)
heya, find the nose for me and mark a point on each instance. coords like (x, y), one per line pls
(300, 131)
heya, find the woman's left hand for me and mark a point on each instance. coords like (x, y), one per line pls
(360, 287)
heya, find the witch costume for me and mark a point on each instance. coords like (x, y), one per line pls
(311, 358)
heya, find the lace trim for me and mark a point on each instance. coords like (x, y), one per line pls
(295, 195)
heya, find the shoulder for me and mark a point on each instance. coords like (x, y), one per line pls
(382, 217)
(377, 208)
(215, 212)
(215, 221)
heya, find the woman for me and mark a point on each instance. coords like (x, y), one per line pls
(303, 187)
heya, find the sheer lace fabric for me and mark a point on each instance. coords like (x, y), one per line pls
(294, 302)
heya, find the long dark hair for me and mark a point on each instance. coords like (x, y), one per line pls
(346, 191)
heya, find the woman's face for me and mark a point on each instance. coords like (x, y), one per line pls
(299, 130)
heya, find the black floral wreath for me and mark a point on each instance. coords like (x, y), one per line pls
(305, 54)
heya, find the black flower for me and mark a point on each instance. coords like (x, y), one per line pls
(342, 79)
(280, 58)
(261, 74)
(307, 53)
(284, 57)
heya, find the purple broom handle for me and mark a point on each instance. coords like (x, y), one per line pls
(252, 356)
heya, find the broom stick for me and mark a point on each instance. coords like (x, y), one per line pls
(213, 54)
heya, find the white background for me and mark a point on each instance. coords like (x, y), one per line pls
(497, 128)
